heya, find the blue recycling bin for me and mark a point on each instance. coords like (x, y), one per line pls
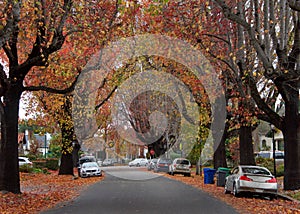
(209, 175)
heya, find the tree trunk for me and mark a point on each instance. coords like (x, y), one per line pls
(291, 133)
(66, 164)
(76, 148)
(246, 146)
(220, 153)
(9, 165)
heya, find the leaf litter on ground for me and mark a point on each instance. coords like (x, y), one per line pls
(43, 191)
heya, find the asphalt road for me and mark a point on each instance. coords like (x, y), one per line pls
(130, 190)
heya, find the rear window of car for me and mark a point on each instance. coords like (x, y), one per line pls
(185, 162)
(256, 171)
(165, 161)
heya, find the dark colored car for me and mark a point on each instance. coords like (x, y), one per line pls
(85, 159)
(162, 165)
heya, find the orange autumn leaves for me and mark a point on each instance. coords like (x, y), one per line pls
(42, 191)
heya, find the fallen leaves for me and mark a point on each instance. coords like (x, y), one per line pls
(255, 205)
(43, 191)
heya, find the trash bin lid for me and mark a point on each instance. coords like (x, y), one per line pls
(223, 169)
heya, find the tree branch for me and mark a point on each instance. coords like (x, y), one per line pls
(294, 5)
(52, 90)
(106, 99)
(273, 117)
(269, 69)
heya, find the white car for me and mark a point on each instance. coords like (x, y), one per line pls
(138, 162)
(24, 161)
(180, 166)
(90, 169)
(253, 179)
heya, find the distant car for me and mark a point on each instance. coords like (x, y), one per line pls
(251, 179)
(152, 164)
(24, 161)
(138, 162)
(180, 166)
(279, 155)
(90, 169)
(108, 162)
(99, 162)
(162, 165)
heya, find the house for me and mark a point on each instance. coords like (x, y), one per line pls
(34, 143)
(263, 140)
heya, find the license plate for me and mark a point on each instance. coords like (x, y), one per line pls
(258, 190)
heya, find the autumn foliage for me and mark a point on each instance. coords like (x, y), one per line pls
(43, 191)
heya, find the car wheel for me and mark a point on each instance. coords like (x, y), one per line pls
(272, 197)
(235, 192)
(226, 191)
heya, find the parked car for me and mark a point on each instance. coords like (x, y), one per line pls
(85, 159)
(24, 161)
(90, 169)
(108, 162)
(180, 166)
(138, 162)
(251, 179)
(279, 155)
(152, 164)
(162, 165)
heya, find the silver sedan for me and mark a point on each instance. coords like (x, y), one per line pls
(253, 179)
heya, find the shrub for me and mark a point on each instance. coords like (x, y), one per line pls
(26, 168)
(269, 164)
(39, 164)
(52, 163)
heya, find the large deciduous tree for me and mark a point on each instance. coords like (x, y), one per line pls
(39, 30)
(78, 49)
(273, 28)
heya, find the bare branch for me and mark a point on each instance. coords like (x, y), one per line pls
(252, 36)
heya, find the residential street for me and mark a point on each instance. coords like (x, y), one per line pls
(142, 192)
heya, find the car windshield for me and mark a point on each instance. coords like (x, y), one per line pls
(255, 171)
(185, 162)
(89, 164)
(165, 161)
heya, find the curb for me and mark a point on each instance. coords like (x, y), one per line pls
(286, 197)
